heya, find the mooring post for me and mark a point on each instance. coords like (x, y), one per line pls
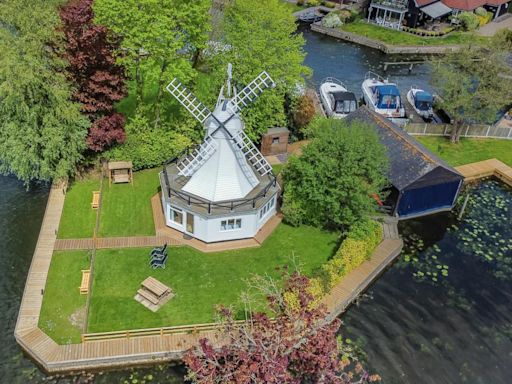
(463, 207)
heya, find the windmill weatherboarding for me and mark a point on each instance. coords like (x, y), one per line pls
(226, 167)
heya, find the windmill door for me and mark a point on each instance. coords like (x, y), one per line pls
(190, 223)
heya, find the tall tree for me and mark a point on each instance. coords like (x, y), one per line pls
(262, 35)
(159, 40)
(332, 183)
(298, 346)
(473, 85)
(92, 66)
(42, 131)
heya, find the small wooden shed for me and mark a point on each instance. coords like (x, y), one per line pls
(120, 172)
(275, 141)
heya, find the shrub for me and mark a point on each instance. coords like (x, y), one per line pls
(330, 185)
(106, 131)
(361, 241)
(147, 146)
(303, 111)
(312, 3)
(469, 21)
(332, 20)
(480, 11)
(330, 4)
(300, 2)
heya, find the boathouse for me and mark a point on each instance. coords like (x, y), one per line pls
(223, 189)
(422, 183)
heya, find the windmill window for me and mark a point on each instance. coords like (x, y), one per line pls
(176, 215)
(230, 225)
(266, 208)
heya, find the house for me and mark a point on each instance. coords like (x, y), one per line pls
(497, 7)
(422, 183)
(411, 13)
(223, 189)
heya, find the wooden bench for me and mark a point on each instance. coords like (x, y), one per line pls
(149, 296)
(95, 199)
(84, 286)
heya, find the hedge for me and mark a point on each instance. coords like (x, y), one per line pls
(362, 239)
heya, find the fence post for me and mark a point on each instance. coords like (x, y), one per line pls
(509, 132)
(488, 129)
(425, 129)
(467, 130)
(445, 129)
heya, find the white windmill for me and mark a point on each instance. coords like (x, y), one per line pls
(225, 182)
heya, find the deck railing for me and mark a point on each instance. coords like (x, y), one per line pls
(163, 331)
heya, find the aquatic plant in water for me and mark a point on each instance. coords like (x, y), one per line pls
(425, 261)
(485, 228)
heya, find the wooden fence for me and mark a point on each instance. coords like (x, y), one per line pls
(127, 334)
(470, 130)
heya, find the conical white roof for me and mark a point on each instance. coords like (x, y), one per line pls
(221, 177)
(226, 175)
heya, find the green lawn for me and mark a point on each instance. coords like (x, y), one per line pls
(468, 150)
(126, 208)
(78, 218)
(63, 311)
(394, 37)
(199, 280)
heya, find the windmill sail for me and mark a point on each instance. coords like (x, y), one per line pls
(188, 100)
(252, 91)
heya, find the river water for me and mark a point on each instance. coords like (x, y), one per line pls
(413, 330)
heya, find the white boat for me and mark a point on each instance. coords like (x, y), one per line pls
(422, 102)
(382, 96)
(337, 101)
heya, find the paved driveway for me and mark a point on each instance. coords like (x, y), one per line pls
(501, 22)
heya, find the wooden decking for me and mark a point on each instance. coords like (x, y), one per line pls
(486, 168)
(143, 347)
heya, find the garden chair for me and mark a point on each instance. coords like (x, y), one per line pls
(159, 263)
(159, 250)
(156, 257)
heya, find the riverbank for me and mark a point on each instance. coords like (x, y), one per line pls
(389, 41)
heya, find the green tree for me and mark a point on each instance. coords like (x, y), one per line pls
(160, 40)
(262, 35)
(332, 183)
(42, 133)
(473, 84)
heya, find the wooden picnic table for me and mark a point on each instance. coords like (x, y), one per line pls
(153, 285)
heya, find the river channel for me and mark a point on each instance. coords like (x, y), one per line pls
(412, 328)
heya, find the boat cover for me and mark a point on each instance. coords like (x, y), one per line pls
(423, 96)
(343, 96)
(388, 90)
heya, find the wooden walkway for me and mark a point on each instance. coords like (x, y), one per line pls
(486, 168)
(146, 346)
(352, 285)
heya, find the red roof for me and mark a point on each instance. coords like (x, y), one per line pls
(466, 5)
(422, 3)
(497, 2)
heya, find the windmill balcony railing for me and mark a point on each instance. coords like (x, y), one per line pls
(217, 207)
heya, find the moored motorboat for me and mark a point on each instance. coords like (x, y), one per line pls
(382, 96)
(336, 100)
(422, 102)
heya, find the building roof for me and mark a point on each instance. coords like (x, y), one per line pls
(409, 160)
(436, 10)
(465, 5)
(422, 3)
(226, 175)
(276, 130)
(112, 165)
